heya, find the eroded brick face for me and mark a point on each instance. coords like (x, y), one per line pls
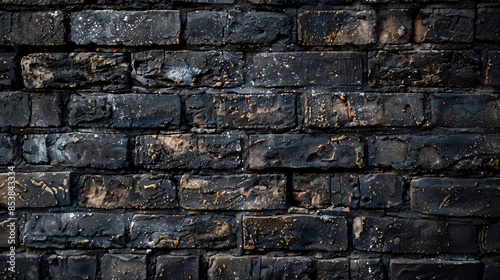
(250, 139)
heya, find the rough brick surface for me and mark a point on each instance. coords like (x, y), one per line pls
(179, 231)
(181, 267)
(139, 191)
(28, 266)
(108, 71)
(438, 269)
(8, 150)
(332, 269)
(108, 27)
(380, 190)
(456, 197)
(46, 110)
(395, 26)
(312, 190)
(121, 266)
(307, 68)
(235, 192)
(33, 28)
(369, 269)
(295, 232)
(493, 68)
(63, 267)
(340, 27)
(37, 189)
(7, 69)
(15, 109)
(75, 230)
(489, 240)
(437, 23)
(300, 150)
(487, 22)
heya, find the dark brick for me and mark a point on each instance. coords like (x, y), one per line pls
(67, 267)
(123, 266)
(380, 191)
(33, 28)
(233, 192)
(463, 237)
(307, 68)
(106, 71)
(124, 110)
(487, 27)
(493, 68)
(295, 232)
(300, 150)
(434, 269)
(188, 68)
(336, 27)
(441, 23)
(7, 69)
(206, 27)
(42, 2)
(456, 197)
(332, 269)
(264, 111)
(15, 108)
(465, 110)
(296, 2)
(367, 269)
(178, 267)
(424, 68)
(180, 231)
(286, 268)
(397, 235)
(436, 152)
(200, 110)
(325, 110)
(312, 190)
(46, 109)
(74, 230)
(491, 269)
(188, 151)
(345, 190)
(204, 1)
(131, 28)
(125, 191)
(8, 150)
(224, 267)
(489, 238)
(28, 267)
(257, 28)
(78, 150)
(396, 26)
(37, 189)
(6, 227)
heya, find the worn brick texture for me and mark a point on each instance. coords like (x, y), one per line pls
(250, 139)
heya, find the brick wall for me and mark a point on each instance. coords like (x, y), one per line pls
(251, 139)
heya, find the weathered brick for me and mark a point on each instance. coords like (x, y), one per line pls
(8, 149)
(436, 152)
(75, 230)
(434, 269)
(465, 110)
(106, 71)
(307, 68)
(295, 232)
(8, 229)
(233, 192)
(266, 111)
(325, 110)
(124, 110)
(200, 110)
(33, 28)
(28, 266)
(131, 28)
(456, 197)
(300, 150)
(336, 27)
(42, 2)
(37, 189)
(345, 190)
(15, 109)
(228, 267)
(487, 27)
(493, 68)
(366, 269)
(188, 151)
(188, 68)
(396, 26)
(123, 266)
(78, 150)
(179, 267)
(126, 191)
(441, 23)
(491, 268)
(424, 68)
(178, 231)
(296, 2)
(489, 238)
(64, 267)
(204, 1)
(257, 28)
(332, 269)
(7, 69)
(46, 109)
(286, 268)
(463, 237)
(397, 235)
(312, 190)
(206, 27)
(380, 191)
